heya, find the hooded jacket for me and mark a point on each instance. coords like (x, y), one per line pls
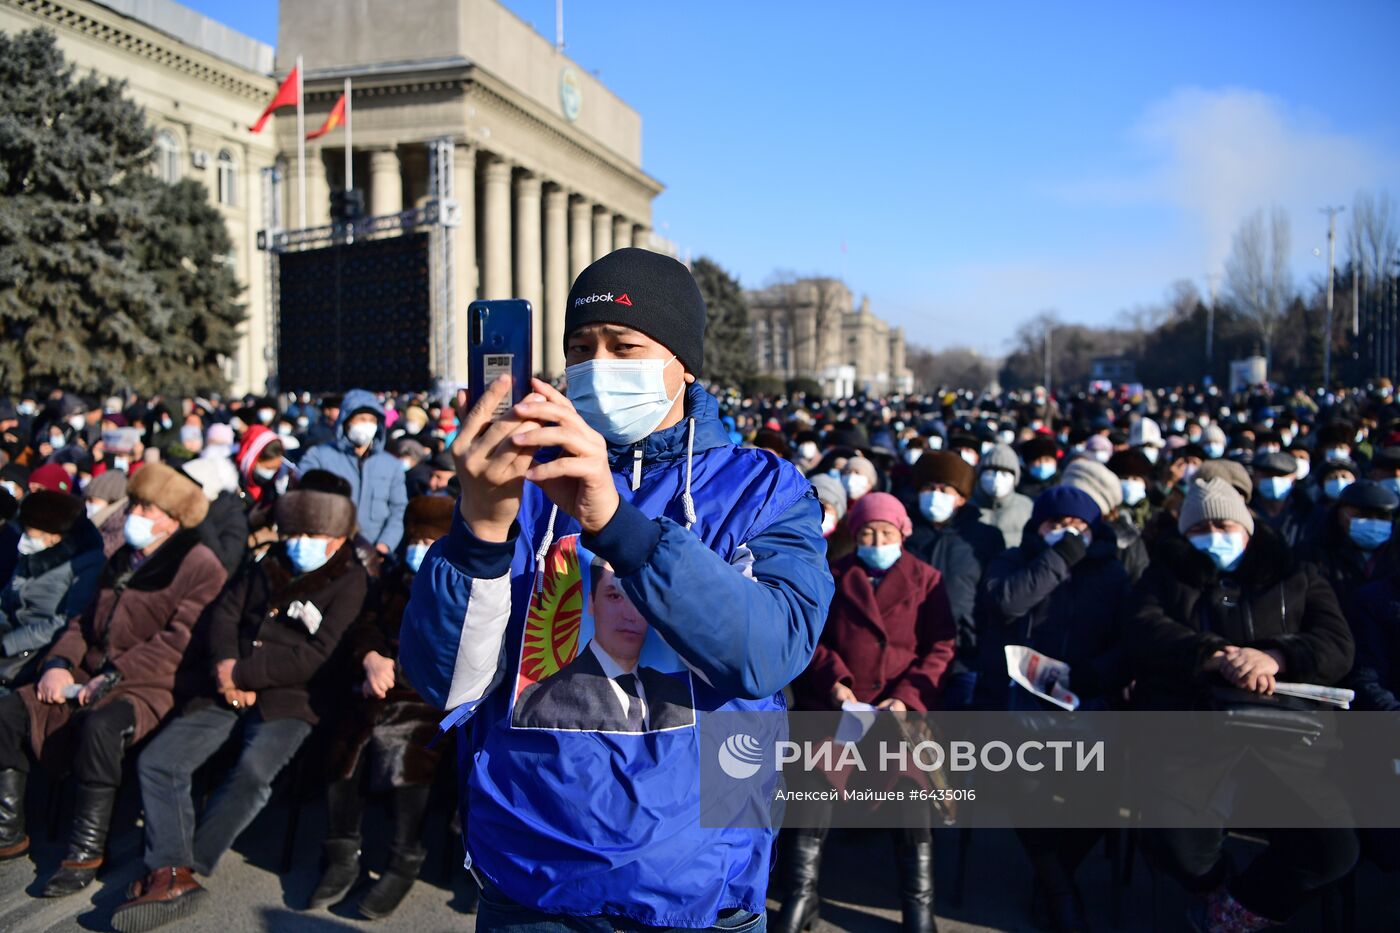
(583, 823)
(1185, 610)
(48, 589)
(376, 481)
(1008, 514)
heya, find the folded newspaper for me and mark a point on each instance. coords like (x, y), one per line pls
(1042, 675)
(1337, 696)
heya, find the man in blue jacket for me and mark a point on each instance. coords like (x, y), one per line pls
(720, 548)
(375, 476)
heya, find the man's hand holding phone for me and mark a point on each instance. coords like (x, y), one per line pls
(579, 480)
(490, 466)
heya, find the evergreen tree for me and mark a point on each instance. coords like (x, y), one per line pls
(728, 345)
(108, 276)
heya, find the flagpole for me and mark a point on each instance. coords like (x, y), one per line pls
(301, 143)
(349, 125)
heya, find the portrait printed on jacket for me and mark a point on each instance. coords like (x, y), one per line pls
(589, 662)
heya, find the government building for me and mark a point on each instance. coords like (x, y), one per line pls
(465, 120)
(811, 328)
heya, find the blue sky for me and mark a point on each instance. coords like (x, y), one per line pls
(982, 162)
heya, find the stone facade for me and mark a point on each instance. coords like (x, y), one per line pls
(546, 165)
(811, 329)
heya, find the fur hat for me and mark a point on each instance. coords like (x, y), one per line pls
(947, 468)
(54, 512)
(310, 512)
(169, 490)
(428, 518)
(1214, 500)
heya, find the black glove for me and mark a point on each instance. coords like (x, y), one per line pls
(1071, 548)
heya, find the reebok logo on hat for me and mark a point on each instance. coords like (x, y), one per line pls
(605, 296)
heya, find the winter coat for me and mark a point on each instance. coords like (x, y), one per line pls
(1375, 624)
(1063, 601)
(586, 823)
(400, 730)
(1009, 515)
(376, 480)
(891, 641)
(1184, 610)
(1345, 565)
(139, 625)
(1290, 523)
(278, 657)
(947, 550)
(48, 589)
(225, 530)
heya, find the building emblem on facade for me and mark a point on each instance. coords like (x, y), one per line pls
(570, 93)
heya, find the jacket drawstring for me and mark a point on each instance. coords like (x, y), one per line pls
(545, 542)
(688, 501)
(636, 467)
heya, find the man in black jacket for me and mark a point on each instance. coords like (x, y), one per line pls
(950, 537)
(269, 634)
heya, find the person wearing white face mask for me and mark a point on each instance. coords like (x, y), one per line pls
(108, 680)
(269, 635)
(375, 476)
(60, 559)
(995, 495)
(859, 478)
(718, 547)
(950, 537)
(832, 496)
(370, 736)
(105, 502)
(1226, 605)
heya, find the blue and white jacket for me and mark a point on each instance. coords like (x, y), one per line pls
(720, 549)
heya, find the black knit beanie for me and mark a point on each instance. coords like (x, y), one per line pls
(647, 292)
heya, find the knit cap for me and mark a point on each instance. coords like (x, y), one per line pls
(830, 492)
(645, 291)
(1092, 477)
(1214, 500)
(879, 507)
(1061, 501)
(1002, 457)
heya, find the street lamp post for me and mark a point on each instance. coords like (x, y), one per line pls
(1331, 213)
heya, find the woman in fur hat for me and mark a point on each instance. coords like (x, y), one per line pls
(109, 679)
(270, 635)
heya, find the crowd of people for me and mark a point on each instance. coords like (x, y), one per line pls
(180, 574)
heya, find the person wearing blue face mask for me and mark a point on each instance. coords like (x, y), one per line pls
(1276, 502)
(720, 549)
(1060, 593)
(1353, 542)
(270, 632)
(888, 642)
(949, 536)
(1041, 455)
(388, 732)
(1226, 605)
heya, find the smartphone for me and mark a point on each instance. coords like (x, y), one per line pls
(499, 343)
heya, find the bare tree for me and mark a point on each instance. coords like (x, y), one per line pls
(828, 296)
(1375, 234)
(1257, 273)
(953, 368)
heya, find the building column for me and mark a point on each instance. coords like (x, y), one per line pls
(556, 278)
(641, 236)
(528, 275)
(622, 232)
(318, 191)
(464, 287)
(580, 236)
(495, 208)
(385, 183)
(602, 232)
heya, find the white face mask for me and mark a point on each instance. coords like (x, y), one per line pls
(1302, 472)
(265, 473)
(265, 415)
(139, 531)
(92, 509)
(77, 422)
(828, 523)
(912, 455)
(997, 483)
(937, 506)
(807, 450)
(1134, 491)
(970, 456)
(1151, 453)
(623, 400)
(362, 433)
(856, 485)
(29, 545)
